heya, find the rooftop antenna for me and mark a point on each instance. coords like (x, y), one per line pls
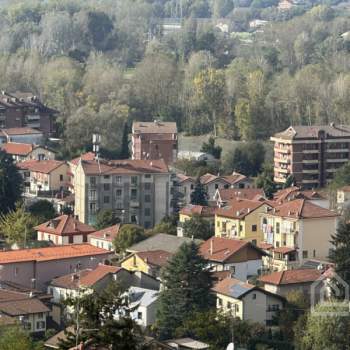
(96, 141)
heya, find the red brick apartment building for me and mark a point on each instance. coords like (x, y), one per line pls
(21, 109)
(311, 154)
(154, 140)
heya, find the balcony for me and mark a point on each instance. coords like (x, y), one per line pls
(334, 150)
(310, 181)
(310, 161)
(134, 203)
(284, 150)
(285, 160)
(337, 160)
(310, 171)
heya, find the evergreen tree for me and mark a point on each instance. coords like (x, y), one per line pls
(209, 147)
(265, 181)
(199, 195)
(198, 228)
(125, 152)
(105, 218)
(186, 289)
(340, 255)
(10, 183)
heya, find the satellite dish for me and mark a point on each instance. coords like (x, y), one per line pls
(230, 346)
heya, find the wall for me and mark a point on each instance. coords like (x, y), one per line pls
(100, 243)
(39, 151)
(134, 263)
(59, 240)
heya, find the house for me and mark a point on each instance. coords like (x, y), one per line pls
(212, 182)
(35, 267)
(241, 219)
(154, 140)
(27, 151)
(284, 5)
(25, 309)
(190, 210)
(21, 135)
(22, 109)
(161, 241)
(44, 176)
(311, 154)
(298, 230)
(150, 262)
(225, 195)
(64, 229)
(104, 238)
(284, 282)
(143, 303)
(246, 301)
(241, 258)
(138, 191)
(184, 185)
(187, 344)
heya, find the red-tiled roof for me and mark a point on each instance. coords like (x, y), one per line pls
(84, 156)
(220, 249)
(220, 275)
(127, 166)
(295, 192)
(301, 209)
(157, 258)
(40, 166)
(238, 208)
(21, 131)
(155, 127)
(50, 253)
(184, 178)
(291, 276)
(207, 178)
(21, 149)
(65, 225)
(227, 194)
(265, 246)
(201, 210)
(107, 234)
(346, 188)
(234, 178)
(227, 287)
(284, 250)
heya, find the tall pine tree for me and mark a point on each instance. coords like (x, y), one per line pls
(199, 195)
(186, 289)
(125, 152)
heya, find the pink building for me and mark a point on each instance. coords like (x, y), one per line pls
(154, 140)
(35, 268)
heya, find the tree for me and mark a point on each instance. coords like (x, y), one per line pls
(209, 147)
(326, 331)
(247, 158)
(43, 210)
(17, 226)
(186, 290)
(10, 183)
(105, 218)
(167, 225)
(14, 337)
(198, 228)
(125, 152)
(289, 181)
(128, 235)
(199, 195)
(340, 254)
(265, 181)
(104, 320)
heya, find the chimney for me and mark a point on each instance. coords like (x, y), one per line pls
(211, 250)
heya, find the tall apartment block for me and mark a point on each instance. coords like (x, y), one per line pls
(154, 140)
(312, 154)
(137, 191)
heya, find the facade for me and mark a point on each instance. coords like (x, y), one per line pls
(241, 220)
(154, 140)
(34, 268)
(343, 198)
(297, 230)
(44, 176)
(137, 191)
(104, 238)
(311, 154)
(26, 110)
(149, 262)
(241, 258)
(22, 135)
(65, 229)
(26, 151)
(246, 301)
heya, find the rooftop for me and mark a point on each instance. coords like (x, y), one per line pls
(65, 225)
(244, 193)
(40, 166)
(295, 192)
(155, 127)
(84, 156)
(21, 149)
(107, 234)
(201, 210)
(239, 208)
(158, 258)
(50, 253)
(20, 131)
(141, 296)
(291, 276)
(233, 287)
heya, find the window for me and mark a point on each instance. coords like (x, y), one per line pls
(148, 176)
(16, 271)
(305, 254)
(216, 186)
(147, 186)
(240, 228)
(219, 301)
(106, 199)
(218, 224)
(92, 195)
(106, 177)
(93, 181)
(92, 207)
(118, 180)
(134, 260)
(314, 253)
(70, 239)
(229, 305)
(106, 187)
(147, 211)
(254, 296)
(134, 180)
(40, 325)
(139, 315)
(133, 219)
(118, 193)
(133, 193)
(192, 187)
(236, 308)
(254, 228)
(277, 227)
(85, 238)
(61, 177)
(27, 325)
(40, 315)
(147, 198)
(273, 307)
(254, 242)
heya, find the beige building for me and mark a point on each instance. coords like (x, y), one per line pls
(297, 230)
(138, 191)
(246, 301)
(104, 238)
(26, 151)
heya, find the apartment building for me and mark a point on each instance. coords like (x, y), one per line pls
(154, 140)
(312, 154)
(21, 109)
(297, 231)
(138, 191)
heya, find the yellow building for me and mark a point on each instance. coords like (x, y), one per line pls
(150, 262)
(297, 230)
(241, 220)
